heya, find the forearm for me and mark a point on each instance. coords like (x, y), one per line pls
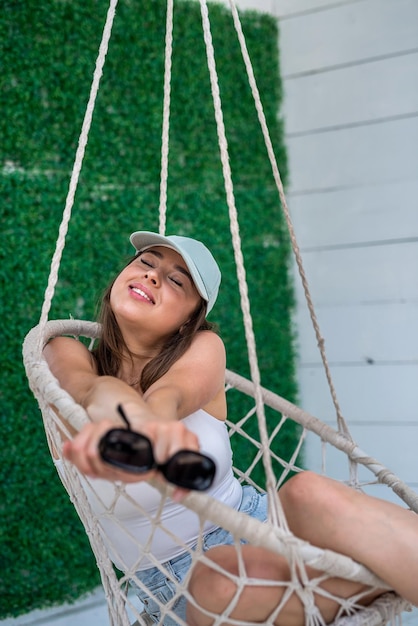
(164, 401)
(154, 419)
(107, 393)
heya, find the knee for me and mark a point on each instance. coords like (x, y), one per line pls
(308, 497)
(215, 583)
(301, 490)
(209, 583)
(211, 588)
(306, 494)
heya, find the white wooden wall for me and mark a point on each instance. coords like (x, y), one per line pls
(350, 74)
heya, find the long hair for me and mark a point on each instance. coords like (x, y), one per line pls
(111, 349)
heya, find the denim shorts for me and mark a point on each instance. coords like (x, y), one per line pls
(163, 586)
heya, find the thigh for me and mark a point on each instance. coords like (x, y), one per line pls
(267, 594)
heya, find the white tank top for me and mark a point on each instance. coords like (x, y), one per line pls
(129, 535)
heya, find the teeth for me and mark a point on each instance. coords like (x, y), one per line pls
(141, 293)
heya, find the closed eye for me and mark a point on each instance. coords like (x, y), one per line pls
(176, 281)
(145, 262)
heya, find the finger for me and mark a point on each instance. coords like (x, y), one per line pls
(75, 451)
(114, 474)
(179, 494)
(170, 437)
(83, 450)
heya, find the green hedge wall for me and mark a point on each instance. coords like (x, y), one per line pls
(47, 57)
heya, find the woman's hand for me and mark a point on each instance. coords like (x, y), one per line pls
(167, 438)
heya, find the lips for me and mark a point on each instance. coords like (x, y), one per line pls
(144, 293)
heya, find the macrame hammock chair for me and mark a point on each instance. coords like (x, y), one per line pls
(123, 607)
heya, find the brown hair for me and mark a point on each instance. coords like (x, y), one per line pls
(112, 348)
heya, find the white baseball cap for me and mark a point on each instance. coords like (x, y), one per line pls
(199, 260)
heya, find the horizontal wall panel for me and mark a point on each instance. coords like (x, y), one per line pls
(367, 394)
(349, 33)
(264, 6)
(363, 275)
(360, 334)
(354, 156)
(350, 109)
(287, 8)
(383, 444)
(379, 213)
(357, 94)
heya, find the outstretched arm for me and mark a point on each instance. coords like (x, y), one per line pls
(74, 367)
(195, 381)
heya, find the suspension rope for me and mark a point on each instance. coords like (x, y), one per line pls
(342, 425)
(276, 514)
(166, 118)
(82, 143)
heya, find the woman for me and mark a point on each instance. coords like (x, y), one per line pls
(160, 360)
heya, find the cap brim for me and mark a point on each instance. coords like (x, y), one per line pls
(145, 239)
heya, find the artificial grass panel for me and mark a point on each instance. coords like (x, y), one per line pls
(48, 52)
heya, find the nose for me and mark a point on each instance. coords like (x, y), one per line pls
(152, 275)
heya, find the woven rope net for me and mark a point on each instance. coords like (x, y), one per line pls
(85, 496)
(101, 507)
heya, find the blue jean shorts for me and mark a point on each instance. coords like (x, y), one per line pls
(163, 586)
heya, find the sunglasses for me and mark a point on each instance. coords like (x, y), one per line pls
(132, 452)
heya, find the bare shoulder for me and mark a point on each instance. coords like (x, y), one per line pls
(72, 365)
(207, 347)
(61, 351)
(209, 340)
(202, 365)
(197, 379)
(205, 360)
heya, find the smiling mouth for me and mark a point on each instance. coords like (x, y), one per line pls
(143, 294)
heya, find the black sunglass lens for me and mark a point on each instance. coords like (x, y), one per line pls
(190, 470)
(127, 450)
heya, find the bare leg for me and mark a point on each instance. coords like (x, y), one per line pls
(214, 591)
(379, 534)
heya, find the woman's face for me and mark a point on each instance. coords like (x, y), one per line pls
(154, 295)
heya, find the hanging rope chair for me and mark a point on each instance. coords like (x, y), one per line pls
(62, 415)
